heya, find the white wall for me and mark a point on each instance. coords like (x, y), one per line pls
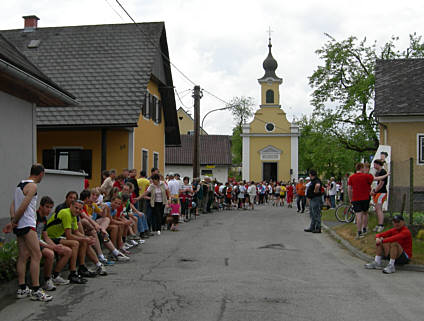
(220, 173)
(56, 183)
(16, 146)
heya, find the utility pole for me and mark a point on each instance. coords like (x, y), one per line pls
(196, 145)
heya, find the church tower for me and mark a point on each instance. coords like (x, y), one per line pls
(270, 141)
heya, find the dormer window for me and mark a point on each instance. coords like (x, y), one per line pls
(269, 96)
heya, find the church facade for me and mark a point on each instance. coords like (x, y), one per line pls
(270, 141)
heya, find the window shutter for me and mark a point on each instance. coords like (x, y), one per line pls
(48, 158)
(86, 161)
(144, 107)
(160, 112)
(154, 99)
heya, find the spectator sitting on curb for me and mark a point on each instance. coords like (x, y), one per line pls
(395, 245)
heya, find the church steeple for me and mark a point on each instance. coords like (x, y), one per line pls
(270, 82)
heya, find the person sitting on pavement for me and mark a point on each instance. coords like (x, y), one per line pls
(65, 225)
(69, 198)
(394, 245)
(95, 225)
(111, 211)
(49, 248)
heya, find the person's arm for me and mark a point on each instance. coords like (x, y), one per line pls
(379, 186)
(380, 178)
(404, 234)
(316, 189)
(350, 192)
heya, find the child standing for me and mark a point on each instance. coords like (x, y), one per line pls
(175, 214)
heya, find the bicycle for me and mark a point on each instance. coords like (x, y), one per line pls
(345, 213)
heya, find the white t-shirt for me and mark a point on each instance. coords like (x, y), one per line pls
(242, 191)
(174, 187)
(251, 190)
(333, 189)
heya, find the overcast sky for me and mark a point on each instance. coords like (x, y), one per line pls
(221, 45)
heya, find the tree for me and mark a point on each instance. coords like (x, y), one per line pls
(324, 152)
(343, 96)
(241, 109)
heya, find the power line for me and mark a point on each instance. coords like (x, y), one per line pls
(114, 10)
(179, 98)
(154, 44)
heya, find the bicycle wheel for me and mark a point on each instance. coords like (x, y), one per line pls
(343, 213)
(350, 215)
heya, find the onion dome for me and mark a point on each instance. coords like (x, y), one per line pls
(270, 65)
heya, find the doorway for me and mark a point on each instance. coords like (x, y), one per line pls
(269, 171)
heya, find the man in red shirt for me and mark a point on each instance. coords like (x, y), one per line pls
(394, 245)
(359, 189)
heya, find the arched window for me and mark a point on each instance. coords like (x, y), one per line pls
(269, 96)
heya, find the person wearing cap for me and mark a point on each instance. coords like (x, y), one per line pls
(394, 245)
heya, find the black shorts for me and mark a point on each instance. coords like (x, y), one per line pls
(401, 260)
(22, 231)
(57, 241)
(361, 206)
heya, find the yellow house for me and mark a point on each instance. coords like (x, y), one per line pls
(399, 109)
(270, 141)
(186, 123)
(121, 77)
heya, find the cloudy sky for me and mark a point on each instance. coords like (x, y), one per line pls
(221, 45)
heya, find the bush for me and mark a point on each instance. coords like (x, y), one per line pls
(8, 258)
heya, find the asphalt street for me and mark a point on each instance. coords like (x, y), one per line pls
(236, 265)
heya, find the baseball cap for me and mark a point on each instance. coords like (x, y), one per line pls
(398, 218)
(308, 178)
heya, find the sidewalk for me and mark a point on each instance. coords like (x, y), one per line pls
(328, 226)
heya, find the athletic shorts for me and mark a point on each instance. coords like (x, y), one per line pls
(252, 198)
(277, 194)
(57, 240)
(361, 206)
(379, 198)
(23, 231)
(401, 260)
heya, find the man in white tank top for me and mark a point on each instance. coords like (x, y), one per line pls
(23, 222)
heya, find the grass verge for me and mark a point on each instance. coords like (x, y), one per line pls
(367, 244)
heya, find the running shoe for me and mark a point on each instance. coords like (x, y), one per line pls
(127, 246)
(101, 270)
(49, 285)
(140, 241)
(84, 272)
(77, 279)
(158, 232)
(390, 268)
(106, 261)
(40, 295)
(121, 257)
(21, 294)
(60, 281)
(133, 242)
(379, 229)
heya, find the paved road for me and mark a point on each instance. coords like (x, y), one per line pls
(237, 265)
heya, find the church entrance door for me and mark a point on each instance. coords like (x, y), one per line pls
(269, 171)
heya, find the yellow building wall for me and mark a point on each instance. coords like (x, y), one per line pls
(274, 115)
(283, 165)
(87, 139)
(150, 136)
(186, 123)
(273, 86)
(402, 137)
(117, 149)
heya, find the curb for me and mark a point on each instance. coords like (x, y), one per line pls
(366, 257)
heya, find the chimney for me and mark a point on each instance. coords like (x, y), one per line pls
(30, 23)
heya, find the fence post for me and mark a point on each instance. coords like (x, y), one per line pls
(411, 190)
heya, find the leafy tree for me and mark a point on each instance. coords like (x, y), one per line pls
(241, 109)
(343, 96)
(322, 151)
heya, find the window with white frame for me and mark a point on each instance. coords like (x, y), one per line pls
(156, 160)
(420, 149)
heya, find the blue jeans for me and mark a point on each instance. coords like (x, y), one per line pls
(315, 211)
(333, 201)
(141, 223)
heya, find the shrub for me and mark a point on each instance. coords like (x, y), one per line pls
(8, 258)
